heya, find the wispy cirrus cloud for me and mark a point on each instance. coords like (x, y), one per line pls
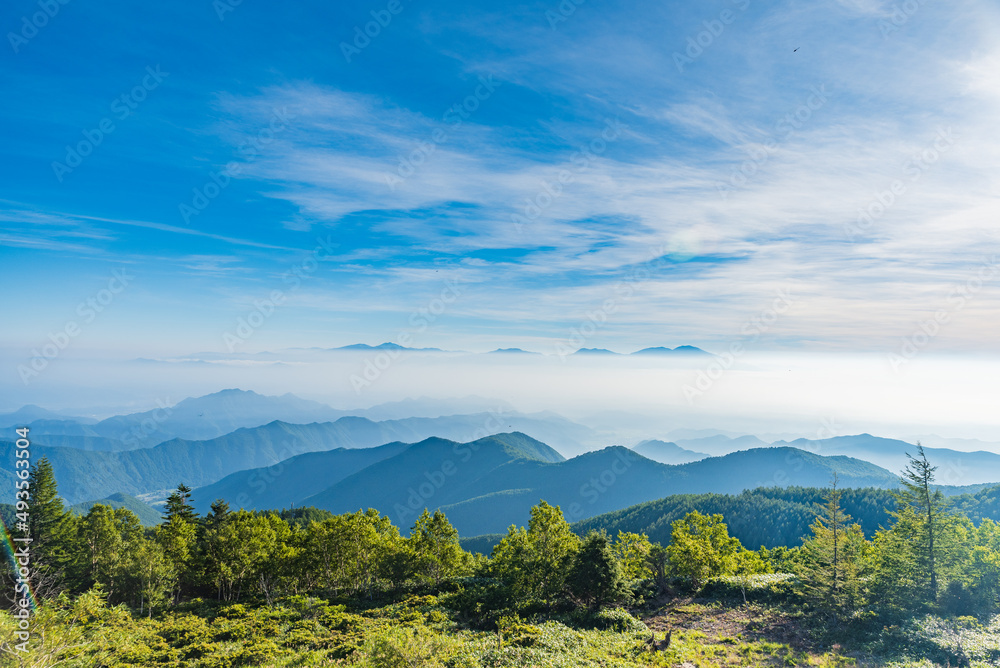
(747, 171)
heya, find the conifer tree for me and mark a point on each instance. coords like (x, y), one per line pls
(931, 511)
(829, 570)
(209, 546)
(596, 576)
(179, 505)
(50, 528)
(177, 536)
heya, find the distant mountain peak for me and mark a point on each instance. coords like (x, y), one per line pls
(228, 392)
(679, 350)
(512, 351)
(33, 412)
(364, 346)
(388, 345)
(667, 452)
(595, 351)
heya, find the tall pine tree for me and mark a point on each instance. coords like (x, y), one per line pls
(179, 505)
(597, 577)
(830, 569)
(51, 529)
(177, 536)
(931, 510)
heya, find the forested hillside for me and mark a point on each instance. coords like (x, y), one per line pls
(775, 516)
(288, 482)
(616, 478)
(92, 474)
(307, 587)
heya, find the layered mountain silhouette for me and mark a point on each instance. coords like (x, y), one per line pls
(148, 515)
(954, 467)
(485, 485)
(31, 413)
(221, 413)
(719, 444)
(667, 453)
(85, 475)
(616, 477)
(431, 473)
(195, 418)
(485, 468)
(286, 483)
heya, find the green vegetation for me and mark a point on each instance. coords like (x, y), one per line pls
(310, 588)
(774, 516)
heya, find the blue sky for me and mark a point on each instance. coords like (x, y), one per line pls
(664, 169)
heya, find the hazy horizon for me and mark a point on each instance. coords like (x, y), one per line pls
(804, 190)
(809, 394)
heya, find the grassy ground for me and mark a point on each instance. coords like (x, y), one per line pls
(717, 633)
(421, 633)
(713, 633)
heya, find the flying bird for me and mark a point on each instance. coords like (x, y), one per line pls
(796, 49)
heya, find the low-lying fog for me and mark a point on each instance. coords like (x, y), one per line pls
(626, 398)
